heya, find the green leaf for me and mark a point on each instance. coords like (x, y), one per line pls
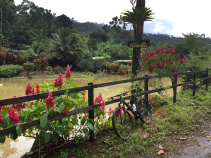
(74, 100)
(43, 120)
(5, 121)
(14, 136)
(76, 139)
(47, 127)
(83, 121)
(55, 109)
(66, 92)
(59, 131)
(71, 106)
(47, 137)
(4, 112)
(19, 130)
(59, 100)
(61, 107)
(2, 139)
(90, 126)
(86, 132)
(74, 122)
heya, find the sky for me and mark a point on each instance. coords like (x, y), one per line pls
(173, 17)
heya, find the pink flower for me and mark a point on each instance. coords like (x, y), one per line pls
(59, 81)
(1, 108)
(98, 99)
(49, 101)
(68, 72)
(0, 118)
(31, 104)
(110, 111)
(118, 112)
(37, 88)
(13, 116)
(102, 107)
(32, 91)
(85, 114)
(18, 106)
(28, 89)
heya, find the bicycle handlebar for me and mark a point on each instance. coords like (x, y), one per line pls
(131, 90)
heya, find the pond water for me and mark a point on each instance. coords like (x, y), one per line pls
(16, 87)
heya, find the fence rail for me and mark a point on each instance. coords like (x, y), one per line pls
(91, 106)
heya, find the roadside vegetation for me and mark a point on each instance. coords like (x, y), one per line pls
(169, 120)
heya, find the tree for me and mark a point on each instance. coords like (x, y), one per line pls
(137, 17)
(64, 47)
(65, 21)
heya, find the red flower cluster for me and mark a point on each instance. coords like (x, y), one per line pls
(59, 81)
(98, 99)
(118, 112)
(49, 101)
(102, 107)
(68, 72)
(110, 111)
(18, 106)
(37, 88)
(13, 116)
(30, 90)
(1, 108)
(3, 53)
(124, 71)
(0, 118)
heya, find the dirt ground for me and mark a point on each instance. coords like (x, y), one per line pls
(193, 144)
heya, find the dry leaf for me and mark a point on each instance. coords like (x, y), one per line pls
(160, 152)
(208, 136)
(111, 148)
(182, 138)
(160, 146)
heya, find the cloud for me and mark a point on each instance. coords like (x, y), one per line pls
(163, 26)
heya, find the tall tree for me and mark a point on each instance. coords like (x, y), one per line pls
(137, 17)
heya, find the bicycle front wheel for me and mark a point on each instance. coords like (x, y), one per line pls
(144, 110)
(122, 123)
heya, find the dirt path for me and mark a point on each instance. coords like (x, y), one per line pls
(200, 146)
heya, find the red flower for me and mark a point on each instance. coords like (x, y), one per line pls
(0, 118)
(65, 110)
(59, 81)
(98, 99)
(68, 72)
(118, 112)
(49, 101)
(181, 61)
(37, 88)
(184, 58)
(110, 111)
(28, 89)
(1, 108)
(18, 106)
(32, 91)
(102, 107)
(150, 69)
(85, 114)
(124, 71)
(13, 116)
(178, 57)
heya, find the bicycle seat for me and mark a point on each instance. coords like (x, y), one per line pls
(133, 91)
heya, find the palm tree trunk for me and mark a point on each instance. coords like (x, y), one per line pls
(138, 33)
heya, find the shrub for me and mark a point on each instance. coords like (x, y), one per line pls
(28, 67)
(86, 65)
(10, 70)
(58, 69)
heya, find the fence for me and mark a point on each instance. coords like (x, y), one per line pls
(91, 106)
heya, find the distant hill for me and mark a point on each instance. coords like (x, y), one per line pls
(89, 27)
(86, 27)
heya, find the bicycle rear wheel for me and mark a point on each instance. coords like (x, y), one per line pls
(144, 110)
(122, 123)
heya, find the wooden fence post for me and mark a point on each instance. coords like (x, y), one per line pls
(174, 89)
(146, 82)
(207, 80)
(91, 113)
(194, 84)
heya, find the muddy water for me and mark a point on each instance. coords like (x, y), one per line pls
(16, 87)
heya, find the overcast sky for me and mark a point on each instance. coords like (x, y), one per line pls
(172, 17)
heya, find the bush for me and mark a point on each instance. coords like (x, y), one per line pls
(10, 70)
(58, 69)
(28, 67)
(86, 65)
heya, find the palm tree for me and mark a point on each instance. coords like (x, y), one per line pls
(64, 45)
(136, 17)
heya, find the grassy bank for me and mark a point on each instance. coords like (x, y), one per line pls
(168, 120)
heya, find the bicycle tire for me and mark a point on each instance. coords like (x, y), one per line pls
(123, 126)
(144, 110)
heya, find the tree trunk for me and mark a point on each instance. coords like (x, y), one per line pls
(138, 33)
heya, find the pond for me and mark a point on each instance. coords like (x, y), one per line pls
(16, 87)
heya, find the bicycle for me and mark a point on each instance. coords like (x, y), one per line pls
(122, 121)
